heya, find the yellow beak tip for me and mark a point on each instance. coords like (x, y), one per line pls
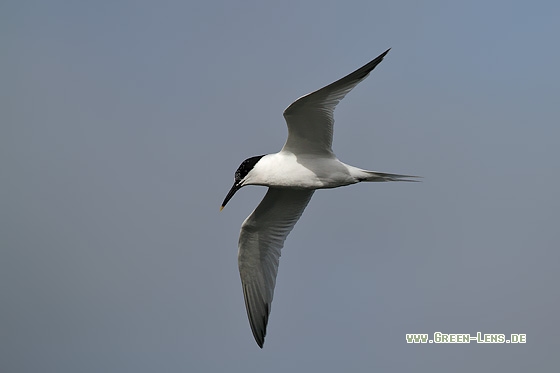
(221, 208)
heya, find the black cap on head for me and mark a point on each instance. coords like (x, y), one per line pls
(244, 168)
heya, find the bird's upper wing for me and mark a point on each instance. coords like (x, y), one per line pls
(262, 237)
(310, 118)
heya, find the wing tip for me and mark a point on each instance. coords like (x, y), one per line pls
(382, 55)
(260, 333)
(258, 327)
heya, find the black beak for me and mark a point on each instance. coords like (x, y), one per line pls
(230, 194)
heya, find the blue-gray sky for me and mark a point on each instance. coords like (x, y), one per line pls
(122, 123)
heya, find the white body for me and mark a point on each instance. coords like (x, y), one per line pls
(305, 163)
(304, 171)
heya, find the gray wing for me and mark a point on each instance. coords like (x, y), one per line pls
(310, 118)
(262, 237)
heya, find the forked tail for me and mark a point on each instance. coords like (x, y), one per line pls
(381, 176)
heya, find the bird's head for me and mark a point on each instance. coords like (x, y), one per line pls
(240, 177)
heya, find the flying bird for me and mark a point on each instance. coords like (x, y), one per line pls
(305, 163)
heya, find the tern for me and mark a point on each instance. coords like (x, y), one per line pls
(305, 163)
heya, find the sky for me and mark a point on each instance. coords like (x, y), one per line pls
(122, 124)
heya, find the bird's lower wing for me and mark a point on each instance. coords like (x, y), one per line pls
(262, 237)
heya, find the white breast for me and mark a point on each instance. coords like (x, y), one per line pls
(286, 170)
